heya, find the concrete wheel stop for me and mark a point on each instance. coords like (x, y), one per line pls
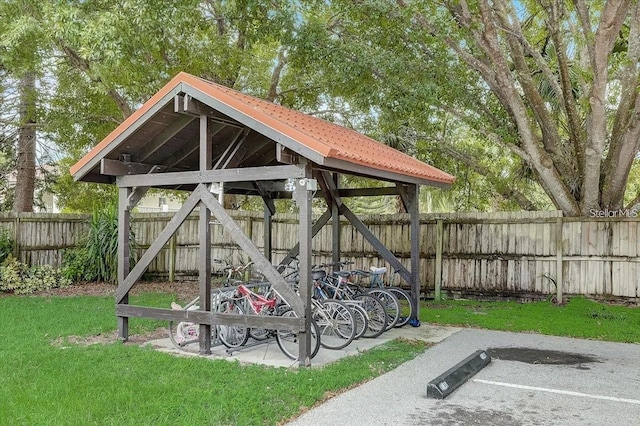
(443, 385)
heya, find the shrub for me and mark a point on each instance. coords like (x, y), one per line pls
(15, 276)
(102, 244)
(77, 265)
(6, 244)
(97, 258)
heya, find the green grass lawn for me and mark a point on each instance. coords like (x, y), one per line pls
(580, 317)
(45, 380)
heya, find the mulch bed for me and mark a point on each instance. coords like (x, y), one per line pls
(184, 290)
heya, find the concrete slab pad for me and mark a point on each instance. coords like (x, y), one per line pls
(268, 353)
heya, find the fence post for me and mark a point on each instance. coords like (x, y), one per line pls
(559, 272)
(16, 237)
(438, 277)
(172, 258)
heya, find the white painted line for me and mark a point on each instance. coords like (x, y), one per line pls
(559, 391)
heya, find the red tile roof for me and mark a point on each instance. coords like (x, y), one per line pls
(329, 141)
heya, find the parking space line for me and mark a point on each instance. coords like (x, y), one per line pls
(559, 391)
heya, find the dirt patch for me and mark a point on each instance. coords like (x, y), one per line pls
(184, 290)
(539, 356)
(134, 339)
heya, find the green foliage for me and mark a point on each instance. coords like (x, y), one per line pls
(6, 244)
(81, 197)
(102, 244)
(16, 277)
(77, 265)
(96, 259)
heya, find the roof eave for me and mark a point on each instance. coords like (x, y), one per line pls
(361, 170)
(124, 130)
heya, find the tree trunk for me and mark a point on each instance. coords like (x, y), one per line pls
(26, 161)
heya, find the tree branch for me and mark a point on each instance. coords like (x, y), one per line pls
(85, 66)
(275, 75)
(505, 189)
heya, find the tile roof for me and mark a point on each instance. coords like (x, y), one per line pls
(334, 146)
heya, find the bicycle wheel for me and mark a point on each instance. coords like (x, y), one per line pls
(232, 336)
(406, 305)
(288, 340)
(376, 314)
(391, 305)
(183, 333)
(336, 323)
(360, 315)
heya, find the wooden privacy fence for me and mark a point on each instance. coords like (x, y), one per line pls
(505, 254)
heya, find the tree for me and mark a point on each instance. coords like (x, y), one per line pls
(20, 40)
(552, 83)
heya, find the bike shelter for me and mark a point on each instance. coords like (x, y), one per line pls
(198, 136)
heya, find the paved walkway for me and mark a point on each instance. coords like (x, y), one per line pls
(603, 388)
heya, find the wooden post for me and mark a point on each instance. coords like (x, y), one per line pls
(439, 244)
(204, 275)
(303, 199)
(335, 225)
(16, 237)
(204, 229)
(267, 235)
(124, 223)
(172, 259)
(414, 211)
(559, 271)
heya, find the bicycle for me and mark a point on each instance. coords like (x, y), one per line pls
(376, 275)
(388, 299)
(334, 286)
(269, 304)
(241, 274)
(185, 333)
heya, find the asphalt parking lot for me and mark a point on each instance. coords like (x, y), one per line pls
(531, 380)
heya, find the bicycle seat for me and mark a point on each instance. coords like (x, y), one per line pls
(318, 274)
(343, 274)
(378, 271)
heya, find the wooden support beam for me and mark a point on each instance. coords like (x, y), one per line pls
(413, 208)
(268, 231)
(120, 168)
(335, 225)
(327, 183)
(211, 318)
(136, 196)
(204, 233)
(303, 199)
(404, 196)
(266, 197)
(163, 137)
(259, 260)
(188, 148)
(124, 223)
(367, 192)
(188, 105)
(230, 158)
(227, 175)
(128, 280)
(285, 155)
